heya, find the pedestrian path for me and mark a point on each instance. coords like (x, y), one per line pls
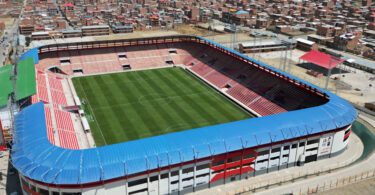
(352, 153)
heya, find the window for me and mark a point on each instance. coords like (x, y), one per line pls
(122, 56)
(43, 191)
(312, 141)
(203, 175)
(74, 193)
(153, 178)
(174, 182)
(174, 173)
(137, 182)
(138, 191)
(311, 149)
(163, 176)
(126, 67)
(78, 71)
(204, 166)
(285, 155)
(263, 153)
(294, 146)
(65, 61)
(262, 161)
(248, 164)
(275, 150)
(249, 156)
(286, 147)
(188, 178)
(218, 171)
(173, 51)
(214, 164)
(301, 144)
(188, 170)
(274, 158)
(55, 193)
(169, 62)
(233, 168)
(227, 86)
(234, 159)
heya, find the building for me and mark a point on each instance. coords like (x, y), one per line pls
(71, 33)
(26, 29)
(306, 45)
(265, 46)
(95, 30)
(122, 28)
(170, 163)
(320, 39)
(44, 35)
(348, 41)
(262, 23)
(329, 31)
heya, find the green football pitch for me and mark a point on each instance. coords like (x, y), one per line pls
(138, 104)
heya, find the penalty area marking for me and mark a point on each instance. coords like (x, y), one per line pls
(92, 112)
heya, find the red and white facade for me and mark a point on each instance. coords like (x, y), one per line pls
(209, 172)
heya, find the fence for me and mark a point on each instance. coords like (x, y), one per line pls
(313, 189)
(339, 182)
(255, 184)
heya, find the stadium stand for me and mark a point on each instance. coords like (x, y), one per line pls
(170, 163)
(50, 83)
(261, 91)
(66, 130)
(50, 131)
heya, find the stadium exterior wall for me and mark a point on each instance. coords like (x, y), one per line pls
(315, 133)
(201, 173)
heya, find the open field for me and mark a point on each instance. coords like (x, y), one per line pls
(138, 104)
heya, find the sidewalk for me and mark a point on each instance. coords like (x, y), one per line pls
(353, 152)
(305, 186)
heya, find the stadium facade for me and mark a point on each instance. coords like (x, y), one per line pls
(297, 123)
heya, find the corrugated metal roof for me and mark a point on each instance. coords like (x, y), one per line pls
(35, 157)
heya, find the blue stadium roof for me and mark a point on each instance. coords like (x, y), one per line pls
(36, 158)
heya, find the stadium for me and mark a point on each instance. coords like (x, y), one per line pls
(162, 115)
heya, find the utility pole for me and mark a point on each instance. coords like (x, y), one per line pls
(328, 74)
(233, 37)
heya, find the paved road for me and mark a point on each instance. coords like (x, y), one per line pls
(352, 153)
(305, 185)
(7, 41)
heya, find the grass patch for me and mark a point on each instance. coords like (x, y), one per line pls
(138, 104)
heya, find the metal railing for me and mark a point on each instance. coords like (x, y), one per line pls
(338, 182)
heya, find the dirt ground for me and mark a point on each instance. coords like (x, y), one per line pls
(354, 85)
(192, 30)
(8, 21)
